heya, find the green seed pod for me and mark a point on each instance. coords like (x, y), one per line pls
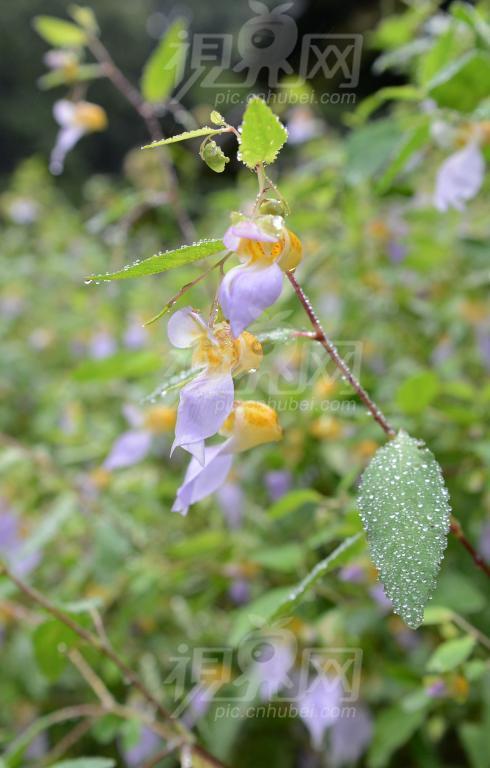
(272, 208)
(213, 156)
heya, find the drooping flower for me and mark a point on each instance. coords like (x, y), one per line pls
(319, 707)
(459, 178)
(350, 736)
(76, 119)
(272, 669)
(134, 445)
(249, 424)
(267, 249)
(207, 400)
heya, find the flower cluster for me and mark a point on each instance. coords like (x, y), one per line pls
(223, 350)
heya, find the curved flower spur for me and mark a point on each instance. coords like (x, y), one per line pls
(207, 400)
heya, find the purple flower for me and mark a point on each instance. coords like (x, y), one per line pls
(231, 500)
(319, 707)
(102, 345)
(130, 448)
(350, 736)
(147, 745)
(135, 336)
(459, 178)
(207, 400)
(278, 483)
(380, 597)
(484, 543)
(203, 479)
(273, 669)
(200, 699)
(436, 689)
(250, 424)
(352, 574)
(267, 249)
(19, 557)
(239, 591)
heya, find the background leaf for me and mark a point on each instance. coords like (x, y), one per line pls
(451, 654)
(165, 66)
(60, 33)
(405, 510)
(263, 134)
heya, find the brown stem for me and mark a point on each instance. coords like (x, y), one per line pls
(319, 335)
(177, 727)
(339, 362)
(457, 531)
(148, 114)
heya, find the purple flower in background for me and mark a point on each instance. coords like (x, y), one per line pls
(16, 553)
(436, 690)
(397, 251)
(303, 126)
(130, 448)
(484, 543)
(319, 707)
(459, 178)
(231, 500)
(272, 669)
(75, 120)
(146, 746)
(135, 336)
(250, 423)
(239, 591)
(350, 736)
(352, 574)
(199, 699)
(267, 249)
(483, 339)
(102, 345)
(278, 483)
(377, 592)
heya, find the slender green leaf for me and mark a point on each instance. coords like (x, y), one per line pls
(122, 365)
(163, 261)
(451, 654)
(165, 66)
(86, 762)
(199, 132)
(341, 555)
(263, 135)
(60, 33)
(392, 729)
(463, 83)
(405, 511)
(257, 613)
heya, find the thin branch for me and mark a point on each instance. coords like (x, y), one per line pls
(96, 684)
(177, 728)
(149, 115)
(457, 531)
(339, 362)
(72, 737)
(320, 336)
(162, 754)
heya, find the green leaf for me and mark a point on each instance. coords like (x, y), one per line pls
(199, 132)
(293, 501)
(58, 76)
(164, 68)
(289, 557)
(450, 654)
(262, 134)
(163, 261)
(370, 149)
(340, 556)
(414, 141)
(475, 740)
(122, 365)
(405, 511)
(213, 156)
(86, 762)
(50, 640)
(462, 84)
(85, 17)
(377, 99)
(257, 613)
(392, 728)
(60, 33)
(417, 392)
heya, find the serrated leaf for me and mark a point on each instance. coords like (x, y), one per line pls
(451, 654)
(164, 68)
(199, 132)
(405, 511)
(60, 33)
(262, 136)
(340, 556)
(165, 260)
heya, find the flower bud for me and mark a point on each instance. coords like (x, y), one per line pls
(91, 117)
(250, 424)
(272, 208)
